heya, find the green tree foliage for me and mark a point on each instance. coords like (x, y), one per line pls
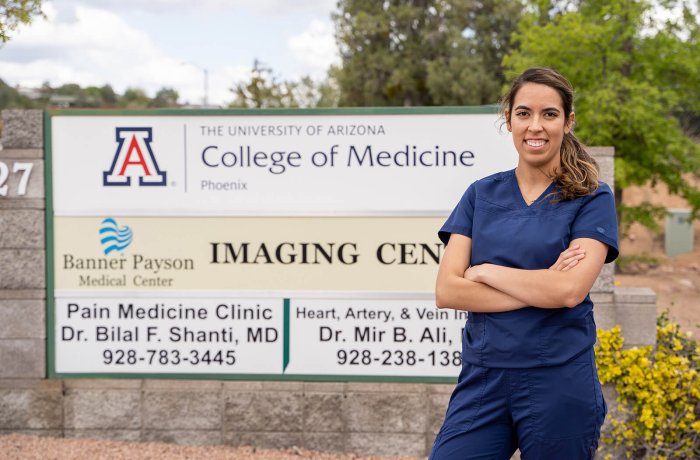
(423, 52)
(265, 90)
(16, 12)
(97, 97)
(636, 78)
(108, 96)
(134, 98)
(72, 95)
(165, 97)
(491, 24)
(310, 93)
(10, 98)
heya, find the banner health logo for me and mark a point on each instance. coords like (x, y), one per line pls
(114, 238)
(134, 158)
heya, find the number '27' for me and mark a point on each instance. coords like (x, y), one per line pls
(24, 168)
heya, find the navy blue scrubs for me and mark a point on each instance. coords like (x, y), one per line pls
(528, 376)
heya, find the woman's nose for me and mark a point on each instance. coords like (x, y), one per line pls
(535, 124)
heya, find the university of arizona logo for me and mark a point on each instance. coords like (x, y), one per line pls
(134, 158)
(114, 238)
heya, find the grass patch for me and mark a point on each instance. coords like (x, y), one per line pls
(627, 262)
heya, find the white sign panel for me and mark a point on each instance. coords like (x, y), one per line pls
(374, 337)
(166, 335)
(272, 165)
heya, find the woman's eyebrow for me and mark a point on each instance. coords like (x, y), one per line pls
(546, 109)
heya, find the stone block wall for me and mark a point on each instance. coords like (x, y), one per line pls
(364, 418)
(334, 416)
(634, 310)
(22, 249)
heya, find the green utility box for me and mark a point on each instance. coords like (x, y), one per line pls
(679, 232)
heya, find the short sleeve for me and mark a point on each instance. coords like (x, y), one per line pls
(460, 220)
(597, 219)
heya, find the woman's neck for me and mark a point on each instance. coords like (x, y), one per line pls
(530, 177)
(532, 183)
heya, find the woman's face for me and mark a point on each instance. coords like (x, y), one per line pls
(538, 125)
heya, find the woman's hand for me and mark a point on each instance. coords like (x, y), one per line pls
(472, 273)
(569, 258)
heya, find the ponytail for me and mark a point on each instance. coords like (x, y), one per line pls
(578, 171)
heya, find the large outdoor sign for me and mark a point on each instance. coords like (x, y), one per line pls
(277, 245)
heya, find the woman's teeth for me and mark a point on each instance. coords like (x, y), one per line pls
(535, 143)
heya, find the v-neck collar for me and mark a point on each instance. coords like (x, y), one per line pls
(519, 194)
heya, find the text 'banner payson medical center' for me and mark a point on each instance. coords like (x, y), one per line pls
(249, 245)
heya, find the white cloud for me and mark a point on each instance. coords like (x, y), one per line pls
(315, 47)
(276, 7)
(98, 47)
(220, 84)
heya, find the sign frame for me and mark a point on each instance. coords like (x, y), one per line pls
(50, 246)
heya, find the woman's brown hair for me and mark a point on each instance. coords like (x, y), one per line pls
(578, 172)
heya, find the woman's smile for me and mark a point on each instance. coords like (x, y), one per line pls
(535, 143)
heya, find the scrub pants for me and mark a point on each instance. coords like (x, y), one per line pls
(550, 413)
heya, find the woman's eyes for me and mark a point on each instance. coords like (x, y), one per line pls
(525, 113)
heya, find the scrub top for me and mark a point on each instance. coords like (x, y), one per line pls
(506, 231)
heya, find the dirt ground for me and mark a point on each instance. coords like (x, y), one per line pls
(22, 447)
(676, 280)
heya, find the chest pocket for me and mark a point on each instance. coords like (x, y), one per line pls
(524, 237)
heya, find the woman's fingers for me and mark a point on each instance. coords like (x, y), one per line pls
(571, 265)
(574, 258)
(569, 258)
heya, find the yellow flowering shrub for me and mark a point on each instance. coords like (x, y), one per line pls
(658, 389)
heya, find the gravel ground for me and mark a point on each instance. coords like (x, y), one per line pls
(23, 447)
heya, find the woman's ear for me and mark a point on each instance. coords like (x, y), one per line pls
(506, 114)
(570, 123)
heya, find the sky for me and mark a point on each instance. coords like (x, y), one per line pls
(181, 44)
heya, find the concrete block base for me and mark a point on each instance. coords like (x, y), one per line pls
(635, 311)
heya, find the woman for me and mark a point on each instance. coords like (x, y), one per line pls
(524, 248)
